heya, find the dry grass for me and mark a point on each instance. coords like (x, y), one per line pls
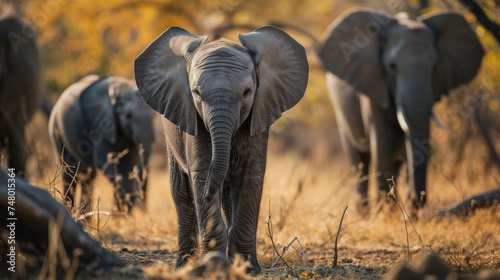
(306, 198)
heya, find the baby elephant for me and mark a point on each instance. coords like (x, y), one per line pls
(103, 123)
(218, 100)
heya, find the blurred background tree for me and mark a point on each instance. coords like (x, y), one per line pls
(79, 37)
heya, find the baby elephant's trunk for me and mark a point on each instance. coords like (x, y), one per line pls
(221, 126)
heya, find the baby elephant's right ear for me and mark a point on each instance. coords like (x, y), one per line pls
(162, 79)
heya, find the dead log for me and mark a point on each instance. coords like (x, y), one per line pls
(470, 204)
(34, 212)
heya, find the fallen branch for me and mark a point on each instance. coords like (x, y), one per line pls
(470, 204)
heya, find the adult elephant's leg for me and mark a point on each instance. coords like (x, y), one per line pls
(186, 215)
(143, 186)
(360, 166)
(246, 192)
(383, 141)
(349, 111)
(363, 166)
(18, 151)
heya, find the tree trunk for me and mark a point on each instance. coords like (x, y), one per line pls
(482, 18)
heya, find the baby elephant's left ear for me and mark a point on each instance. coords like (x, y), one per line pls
(282, 72)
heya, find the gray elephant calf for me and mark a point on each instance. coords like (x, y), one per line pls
(219, 99)
(103, 123)
(386, 73)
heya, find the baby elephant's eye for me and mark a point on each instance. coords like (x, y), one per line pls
(392, 66)
(247, 92)
(128, 115)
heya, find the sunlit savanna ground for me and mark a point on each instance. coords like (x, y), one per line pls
(304, 198)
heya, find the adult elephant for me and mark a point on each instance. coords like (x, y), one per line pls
(102, 123)
(385, 74)
(20, 88)
(218, 100)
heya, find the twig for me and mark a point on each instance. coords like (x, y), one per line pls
(335, 250)
(114, 158)
(270, 235)
(99, 219)
(55, 248)
(286, 249)
(92, 213)
(406, 218)
(403, 213)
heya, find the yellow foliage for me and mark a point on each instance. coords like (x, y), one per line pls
(80, 37)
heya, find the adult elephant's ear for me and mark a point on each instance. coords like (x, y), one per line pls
(459, 51)
(97, 109)
(282, 73)
(162, 79)
(350, 48)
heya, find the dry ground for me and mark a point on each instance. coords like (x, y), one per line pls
(304, 199)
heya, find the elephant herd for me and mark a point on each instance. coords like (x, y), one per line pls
(218, 99)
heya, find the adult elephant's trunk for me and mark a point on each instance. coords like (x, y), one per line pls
(414, 112)
(221, 125)
(418, 152)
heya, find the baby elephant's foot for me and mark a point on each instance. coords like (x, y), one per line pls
(182, 260)
(254, 268)
(214, 265)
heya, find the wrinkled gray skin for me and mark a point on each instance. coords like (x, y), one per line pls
(94, 119)
(385, 75)
(219, 99)
(20, 88)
